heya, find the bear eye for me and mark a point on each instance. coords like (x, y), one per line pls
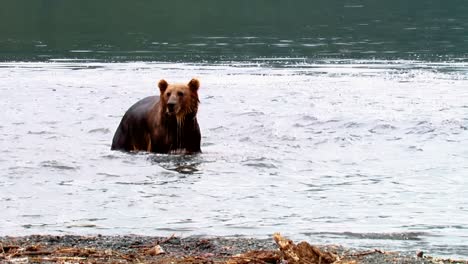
(168, 94)
(180, 93)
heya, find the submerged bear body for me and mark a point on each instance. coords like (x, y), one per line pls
(162, 124)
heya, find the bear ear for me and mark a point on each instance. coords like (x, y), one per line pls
(162, 85)
(193, 85)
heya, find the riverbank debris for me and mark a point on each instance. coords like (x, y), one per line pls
(191, 250)
(302, 252)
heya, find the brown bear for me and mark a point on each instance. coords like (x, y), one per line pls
(162, 124)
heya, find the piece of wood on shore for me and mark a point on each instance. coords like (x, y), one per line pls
(304, 253)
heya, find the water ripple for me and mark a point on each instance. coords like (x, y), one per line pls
(303, 146)
(57, 165)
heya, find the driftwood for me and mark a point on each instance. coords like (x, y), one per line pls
(303, 252)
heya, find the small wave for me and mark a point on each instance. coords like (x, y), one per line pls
(252, 113)
(415, 236)
(382, 129)
(100, 130)
(353, 6)
(453, 127)
(415, 148)
(92, 219)
(29, 226)
(346, 140)
(259, 163)
(437, 227)
(287, 138)
(218, 128)
(31, 216)
(56, 165)
(309, 118)
(81, 51)
(135, 183)
(83, 225)
(352, 125)
(40, 133)
(245, 139)
(421, 128)
(108, 175)
(65, 183)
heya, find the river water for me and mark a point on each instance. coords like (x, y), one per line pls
(364, 154)
(348, 129)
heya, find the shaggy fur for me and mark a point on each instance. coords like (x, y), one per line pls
(162, 124)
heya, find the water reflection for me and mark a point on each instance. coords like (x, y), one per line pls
(185, 164)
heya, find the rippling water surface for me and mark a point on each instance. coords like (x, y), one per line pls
(361, 153)
(212, 30)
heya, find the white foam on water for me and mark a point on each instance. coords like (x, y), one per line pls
(334, 152)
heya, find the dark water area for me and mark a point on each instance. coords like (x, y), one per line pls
(212, 31)
(329, 121)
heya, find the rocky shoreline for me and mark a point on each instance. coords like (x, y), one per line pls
(150, 249)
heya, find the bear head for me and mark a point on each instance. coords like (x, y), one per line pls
(179, 100)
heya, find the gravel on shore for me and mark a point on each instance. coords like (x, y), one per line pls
(151, 249)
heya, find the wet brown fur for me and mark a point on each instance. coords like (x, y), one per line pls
(150, 125)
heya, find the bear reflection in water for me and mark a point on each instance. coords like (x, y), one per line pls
(162, 124)
(183, 164)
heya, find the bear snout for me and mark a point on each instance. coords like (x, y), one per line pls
(171, 107)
